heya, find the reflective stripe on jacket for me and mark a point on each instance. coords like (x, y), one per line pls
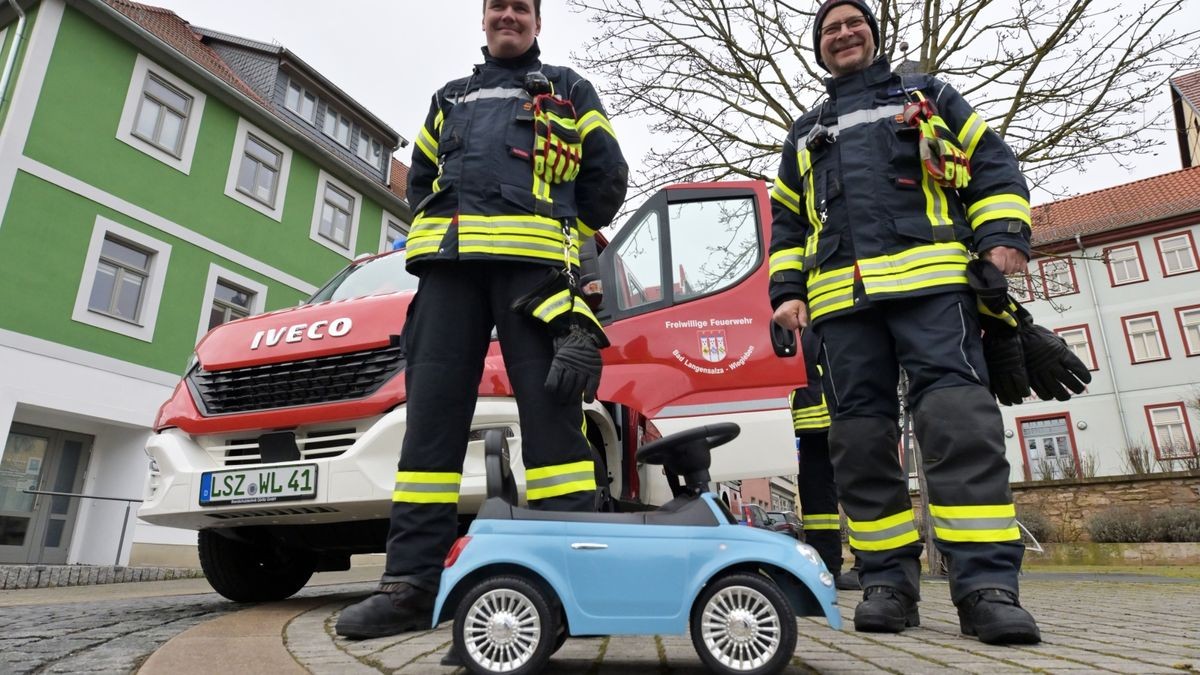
(472, 185)
(858, 218)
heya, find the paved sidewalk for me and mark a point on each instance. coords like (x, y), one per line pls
(1131, 625)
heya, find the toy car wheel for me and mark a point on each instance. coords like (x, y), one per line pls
(742, 623)
(505, 625)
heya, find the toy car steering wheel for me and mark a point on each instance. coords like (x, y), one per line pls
(671, 449)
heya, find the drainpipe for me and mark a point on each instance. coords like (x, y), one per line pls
(11, 61)
(1087, 269)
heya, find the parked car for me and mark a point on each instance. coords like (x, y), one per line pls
(787, 523)
(521, 581)
(756, 516)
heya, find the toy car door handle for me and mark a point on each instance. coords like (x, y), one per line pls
(587, 546)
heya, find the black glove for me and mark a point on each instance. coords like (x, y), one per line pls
(1050, 362)
(575, 370)
(1002, 350)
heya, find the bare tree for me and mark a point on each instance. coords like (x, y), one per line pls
(721, 81)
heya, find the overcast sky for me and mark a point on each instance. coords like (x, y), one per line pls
(391, 55)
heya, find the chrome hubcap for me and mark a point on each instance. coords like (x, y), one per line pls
(741, 628)
(502, 630)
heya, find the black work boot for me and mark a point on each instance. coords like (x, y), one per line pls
(885, 610)
(995, 617)
(848, 580)
(393, 608)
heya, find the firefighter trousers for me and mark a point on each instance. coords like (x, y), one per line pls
(958, 427)
(819, 499)
(446, 338)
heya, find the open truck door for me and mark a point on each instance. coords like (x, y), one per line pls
(686, 309)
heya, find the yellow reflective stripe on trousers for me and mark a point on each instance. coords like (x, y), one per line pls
(786, 196)
(426, 487)
(560, 479)
(787, 259)
(593, 120)
(821, 521)
(983, 523)
(997, 207)
(971, 134)
(884, 534)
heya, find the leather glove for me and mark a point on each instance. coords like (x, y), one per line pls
(1002, 349)
(1053, 368)
(575, 370)
(557, 145)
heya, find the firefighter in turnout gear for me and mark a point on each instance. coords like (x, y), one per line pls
(885, 191)
(818, 493)
(514, 163)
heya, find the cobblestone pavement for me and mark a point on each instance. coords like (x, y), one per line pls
(1087, 627)
(1125, 625)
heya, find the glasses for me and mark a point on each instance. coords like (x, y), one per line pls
(852, 24)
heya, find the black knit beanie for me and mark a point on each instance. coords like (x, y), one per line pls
(820, 19)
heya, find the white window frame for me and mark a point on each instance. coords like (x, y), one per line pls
(159, 260)
(1136, 260)
(383, 230)
(1158, 332)
(1160, 448)
(339, 120)
(217, 273)
(304, 92)
(1190, 348)
(142, 67)
(1189, 246)
(1027, 282)
(314, 231)
(245, 129)
(1086, 343)
(1050, 286)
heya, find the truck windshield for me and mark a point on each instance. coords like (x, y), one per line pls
(374, 276)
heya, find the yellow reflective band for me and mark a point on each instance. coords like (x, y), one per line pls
(593, 120)
(821, 521)
(810, 204)
(560, 479)
(787, 259)
(1006, 317)
(998, 206)
(422, 487)
(437, 121)
(554, 306)
(786, 196)
(427, 144)
(804, 161)
(884, 534)
(584, 229)
(937, 207)
(830, 291)
(917, 256)
(971, 134)
(978, 523)
(580, 308)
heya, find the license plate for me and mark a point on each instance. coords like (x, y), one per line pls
(256, 486)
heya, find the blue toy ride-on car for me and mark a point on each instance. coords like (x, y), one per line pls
(521, 580)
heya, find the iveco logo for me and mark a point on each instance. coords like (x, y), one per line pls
(313, 331)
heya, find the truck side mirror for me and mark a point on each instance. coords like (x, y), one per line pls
(783, 340)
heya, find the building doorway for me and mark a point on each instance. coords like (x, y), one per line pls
(37, 528)
(1049, 448)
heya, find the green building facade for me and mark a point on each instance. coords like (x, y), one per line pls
(155, 180)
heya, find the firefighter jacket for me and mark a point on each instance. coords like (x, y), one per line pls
(810, 414)
(472, 183)
(857, 218)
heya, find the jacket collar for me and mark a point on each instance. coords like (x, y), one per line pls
(530, 57)
(878, 72)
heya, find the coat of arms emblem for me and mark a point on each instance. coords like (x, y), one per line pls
(712, 345)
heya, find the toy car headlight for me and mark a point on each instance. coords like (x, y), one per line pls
(826, 578)
(809, 553)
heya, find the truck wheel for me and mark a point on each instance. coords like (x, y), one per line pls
(742, 623)
(505, 625)
(244, 572)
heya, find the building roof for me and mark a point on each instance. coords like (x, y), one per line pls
(1188, 86)
(1140, 202)
(399, 178)
(188, 41)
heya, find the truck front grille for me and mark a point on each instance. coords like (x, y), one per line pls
(325, 379)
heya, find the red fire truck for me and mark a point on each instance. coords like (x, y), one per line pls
(280, 443)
